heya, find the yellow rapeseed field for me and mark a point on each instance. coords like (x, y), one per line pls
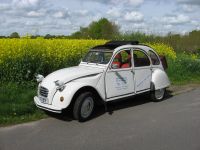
(20, 59)
(163, 49)
(49, 50)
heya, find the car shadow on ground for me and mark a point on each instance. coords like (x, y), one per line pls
(111, 107)
(133, 101)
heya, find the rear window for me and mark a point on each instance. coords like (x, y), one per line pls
(154, 58)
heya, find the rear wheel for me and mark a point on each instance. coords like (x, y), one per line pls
(158, 95)
(84, 106)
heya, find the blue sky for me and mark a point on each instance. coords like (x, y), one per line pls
(66, 16)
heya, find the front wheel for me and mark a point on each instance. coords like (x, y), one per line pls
(83, 107)
(158, 95)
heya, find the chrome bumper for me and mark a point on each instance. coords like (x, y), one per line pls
(47, 107)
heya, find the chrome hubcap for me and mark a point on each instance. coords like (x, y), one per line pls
(159, 94)
(87, 107)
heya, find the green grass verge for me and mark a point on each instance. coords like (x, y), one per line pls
(184, 70)
(16, 104)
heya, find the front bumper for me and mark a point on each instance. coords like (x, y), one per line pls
(47, 107)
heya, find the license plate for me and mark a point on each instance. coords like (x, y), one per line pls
(43, 100)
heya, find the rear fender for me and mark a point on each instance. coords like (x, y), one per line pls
(159, 79)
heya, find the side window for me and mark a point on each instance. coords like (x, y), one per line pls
(140, 59)
(122, 60)
(154, 58)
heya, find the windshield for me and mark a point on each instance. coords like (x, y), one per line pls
(99, 57)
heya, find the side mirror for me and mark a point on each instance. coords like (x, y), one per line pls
(114, 66)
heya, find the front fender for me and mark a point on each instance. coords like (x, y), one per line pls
(71, 88)
(160, 79)
(67, 93)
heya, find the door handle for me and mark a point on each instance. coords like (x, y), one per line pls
(133, 72)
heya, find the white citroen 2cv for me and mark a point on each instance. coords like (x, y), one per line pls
(108, 72)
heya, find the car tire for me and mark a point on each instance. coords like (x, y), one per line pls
(158, 95)
(83, 106)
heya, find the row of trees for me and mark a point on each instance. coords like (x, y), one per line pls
(105, 29)
(47, 36)
(12, 35)
(102, 29)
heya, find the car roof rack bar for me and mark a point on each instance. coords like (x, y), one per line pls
(114, 44)
(122, 43)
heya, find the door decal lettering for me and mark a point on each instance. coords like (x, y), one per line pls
(121, 83)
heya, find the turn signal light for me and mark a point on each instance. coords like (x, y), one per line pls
(61, 98)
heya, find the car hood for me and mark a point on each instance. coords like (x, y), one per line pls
(69, 74)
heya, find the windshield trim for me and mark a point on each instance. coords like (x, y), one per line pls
(92, 64)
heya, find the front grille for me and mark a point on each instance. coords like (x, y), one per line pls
(43, 91)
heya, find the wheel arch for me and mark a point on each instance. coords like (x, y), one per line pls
(98, 98)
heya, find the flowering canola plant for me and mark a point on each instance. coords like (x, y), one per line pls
(20, 59)
(163, 49)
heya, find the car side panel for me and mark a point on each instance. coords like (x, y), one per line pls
(142, 78)
(100, 87)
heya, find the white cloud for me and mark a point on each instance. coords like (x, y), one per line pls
(35, 14)
(134, 16)
(195, 23)
(168, 26)
(139, 25)
(96, 17)
(190, 2)
(61, 14)
(26, 3)
(136, 2)
(4, 7)
(184, 32)
(130, 15)
(114, 12)
(136, 27)
(82, 12)
(188, 8)
(33, 23)
(117, 2)
(2, 21)
(176, 20)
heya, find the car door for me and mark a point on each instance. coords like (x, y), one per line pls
(142, 69)
(119, 79)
